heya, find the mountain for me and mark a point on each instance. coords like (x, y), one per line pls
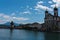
(8, 23)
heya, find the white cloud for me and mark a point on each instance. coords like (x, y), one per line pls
(50, 2)
(20, 18)
(7, 18)
(57, 3)
(1, 14)
(2, 21)
(54, 5)
(54, 0)
(38, 6)
(26, 12)
(40, 2)
(4, 16)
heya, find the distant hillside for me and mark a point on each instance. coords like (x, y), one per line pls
(8, 23)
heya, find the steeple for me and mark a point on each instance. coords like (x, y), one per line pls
(55, 11)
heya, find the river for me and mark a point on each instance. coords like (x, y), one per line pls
(6, 34)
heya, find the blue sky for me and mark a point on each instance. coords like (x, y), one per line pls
(25, 11)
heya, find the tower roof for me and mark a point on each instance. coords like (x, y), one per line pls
(55, 8)
(12, 22)
(46, 11)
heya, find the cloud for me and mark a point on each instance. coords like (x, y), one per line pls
(20, 18)
(40, 2)
(7, 18)
(26, 12)
(1, 14)
(50, 2)
(2, 21)
(54, 1)
(38, 6)
(54, 5)
(57, 3)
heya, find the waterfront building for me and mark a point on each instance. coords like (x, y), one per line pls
(52, 22)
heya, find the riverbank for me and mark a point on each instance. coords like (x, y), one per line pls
(30, 29)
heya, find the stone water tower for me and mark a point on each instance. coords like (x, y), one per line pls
(12, 24)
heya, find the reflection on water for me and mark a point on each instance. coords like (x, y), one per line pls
(11, 31)
(6, 34)
(52, 36)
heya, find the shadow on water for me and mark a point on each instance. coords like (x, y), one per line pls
(11, 34)
(52, 36)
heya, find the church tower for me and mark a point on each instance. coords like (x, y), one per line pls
(55, 11)
(55, 23)
(45, 19)
(46, 14)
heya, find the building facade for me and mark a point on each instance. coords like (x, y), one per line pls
(52, 21)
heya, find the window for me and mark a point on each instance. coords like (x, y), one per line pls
(54, 18)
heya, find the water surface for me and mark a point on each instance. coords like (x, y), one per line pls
(6, 34)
